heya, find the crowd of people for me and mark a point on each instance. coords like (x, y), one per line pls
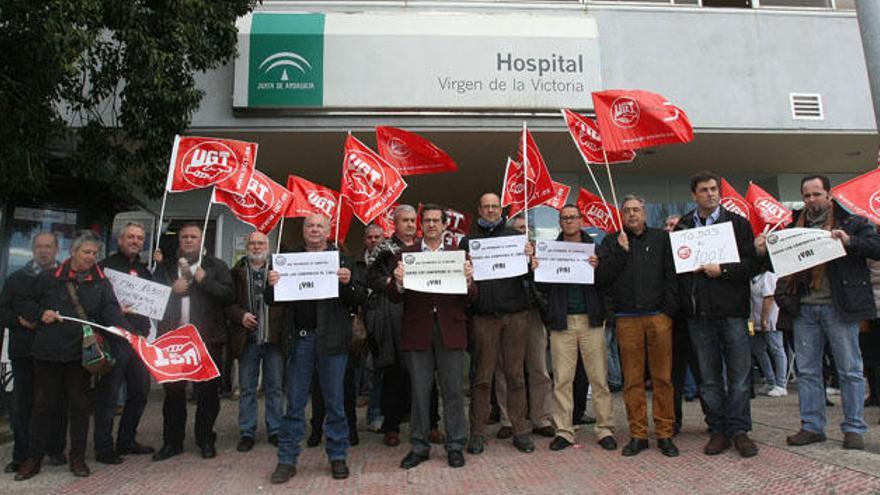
(459, 351)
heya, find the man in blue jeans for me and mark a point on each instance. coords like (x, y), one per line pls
(320, 334)
(827, 302)
(255, 337)
(715, 300)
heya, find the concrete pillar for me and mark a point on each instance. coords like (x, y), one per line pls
(868, 12)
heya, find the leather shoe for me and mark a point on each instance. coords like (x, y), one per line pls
(546, 431)
(339, 469)
(717, 444)
(804, 437)
(208, 450)
(666, 447)
(391, 438)
(27, 470)
(559, 443)
(108, 458)
(245, 444)
(282, 473)
(853, 441)
(608, 443)
(524, 444)
(455, 459)
(314, 439)
(12, 467)
(504, 433)
(79, 469)
(475, 445)
(57, 459)
(167, 452)
(135, 449)
(273, 440)
(634, 446)
(412, 460)
(744, 445)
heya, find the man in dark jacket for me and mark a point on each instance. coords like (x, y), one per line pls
(78, 289)
(636, 271)
(255, 336)
(715, 299)
(320, 333)
(575, 317)
(21, 336)
(129, 369)
(828, 302)
(199, 293)
(500, 323)
(434, 339)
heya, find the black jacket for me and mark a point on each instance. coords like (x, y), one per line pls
(207, 299)
(120, 262)
(851, 290)
(18, 286)
(727, 296)
(62, 341)
(556, 315)
(641, 280)
(500, 296)
(238, 334)
(334, 316)
(383, 317)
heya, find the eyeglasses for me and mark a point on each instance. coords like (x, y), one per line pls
(569, 218)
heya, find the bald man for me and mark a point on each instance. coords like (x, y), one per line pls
(255, 339)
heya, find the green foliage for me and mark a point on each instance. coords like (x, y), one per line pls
(97, 89)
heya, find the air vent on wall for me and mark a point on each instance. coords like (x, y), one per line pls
(806, 106)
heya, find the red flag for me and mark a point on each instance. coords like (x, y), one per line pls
(310, 198)
(632, 119)
(386, 221)
(540, 184)
(177, 355)
(597, 213)
(369, 182)
(733, 201)
(540, 187)
(458, 226)
(263, 206)
(585, 134)
(766, 209)
(199, 162)
(861, 195)
(560, 196)
(410, 153)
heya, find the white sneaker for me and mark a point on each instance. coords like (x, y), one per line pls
(832, 391)
(375, 426)
(777, 391)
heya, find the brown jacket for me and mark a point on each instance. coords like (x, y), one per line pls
(238, 334)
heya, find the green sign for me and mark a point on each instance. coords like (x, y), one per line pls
(286, 61)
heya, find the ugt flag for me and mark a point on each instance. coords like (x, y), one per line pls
(199, 162)
(585, 134)
(513, 189)
(732, 201)
(410, 153)
(263, 205)
(310, 198)
(632, 119)
(177, 355)
(560, 196)
(370, 183)
(457, 227)
(767, 210)
(597, 213)
(861, 195)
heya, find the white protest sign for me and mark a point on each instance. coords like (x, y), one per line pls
(693, 248)
(564, 262)
(306, 276)
(798, 249)
(439, 272)
(142, 296)
(498, 257)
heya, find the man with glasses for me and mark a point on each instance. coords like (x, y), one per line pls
(636, 271)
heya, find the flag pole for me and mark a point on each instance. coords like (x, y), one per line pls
(157, 231)
(205, 228)
(590, 170)
(280, 233)
(525, 166)
(776, 226)
(338, 215)
(613, 192)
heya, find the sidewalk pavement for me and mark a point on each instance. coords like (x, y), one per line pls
(583, 469)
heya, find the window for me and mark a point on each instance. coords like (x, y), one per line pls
(826, 4)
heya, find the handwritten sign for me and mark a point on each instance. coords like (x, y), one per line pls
(439, 272)
(142, 296)
(798, 249)
(564, 262)
(498, 257)
(693, 248)
(306, 276)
